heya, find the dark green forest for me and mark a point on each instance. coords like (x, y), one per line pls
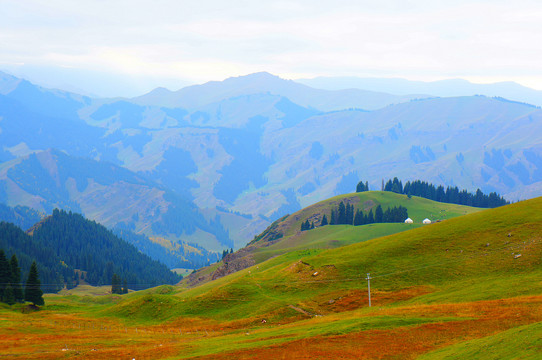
(348, 215)
(450, 195)
(67, 241)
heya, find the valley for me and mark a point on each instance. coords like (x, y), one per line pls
(263, 170)
(271, 180)
(217, 171)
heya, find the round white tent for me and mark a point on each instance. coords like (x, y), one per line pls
(426, 221)
(409, 221)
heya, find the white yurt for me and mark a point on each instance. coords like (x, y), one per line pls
(409, 221)
(426, 221)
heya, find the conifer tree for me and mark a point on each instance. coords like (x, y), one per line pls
(358, 218)
(341, 217)
(5, 274)
(361, 187)
(115, 285)
(349, 214)
(324, 220)
(333, 217)
(16, 279)
(379, 214)
(32, 290)
(370, 217)
(9, 297)
(124, 287)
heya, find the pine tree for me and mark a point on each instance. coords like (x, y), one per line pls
(379, 214)
(32, 290)
(333, 217)
(341, 217)
(349, 214)
(124, 287)
(358, 218)
(16, 279)
(361, 187)
(115, 285)
(9, 296)
(5, 273)
(370, 217)
(324, 220)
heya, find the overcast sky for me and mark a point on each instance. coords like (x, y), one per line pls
(116, 47)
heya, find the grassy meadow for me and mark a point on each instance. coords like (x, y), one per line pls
(455, 289)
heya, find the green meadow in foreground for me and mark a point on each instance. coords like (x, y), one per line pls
(446, 290)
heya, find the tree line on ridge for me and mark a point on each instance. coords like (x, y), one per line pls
(450, 195)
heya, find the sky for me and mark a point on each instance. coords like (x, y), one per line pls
(127, 48)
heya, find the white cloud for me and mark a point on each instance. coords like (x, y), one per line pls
(208, 40)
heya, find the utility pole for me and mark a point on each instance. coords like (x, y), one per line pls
(369, 287)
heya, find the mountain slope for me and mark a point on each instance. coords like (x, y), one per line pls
(431, 287)
(467, 258)
(195, 96)
(261, 156)
(64, 242)
(22, 216)
(109, 194)
(284, 235)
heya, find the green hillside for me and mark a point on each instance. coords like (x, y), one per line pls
(524, 340)
(284, 235)
(469, 258)
(445, 290)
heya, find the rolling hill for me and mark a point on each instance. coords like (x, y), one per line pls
(442, 291)
(284, 235)
(425, 275)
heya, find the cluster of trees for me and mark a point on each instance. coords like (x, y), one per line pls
(345, 214)
(306, 225)
(361, 187)
(226, 252)
(11, 290)
(450, 195)
(116, 287)
(390, 215)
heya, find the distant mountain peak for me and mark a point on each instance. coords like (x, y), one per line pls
(160, 91)
(261, 75)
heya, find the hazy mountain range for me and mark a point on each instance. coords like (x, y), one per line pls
(214, 164)
(445, 88)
